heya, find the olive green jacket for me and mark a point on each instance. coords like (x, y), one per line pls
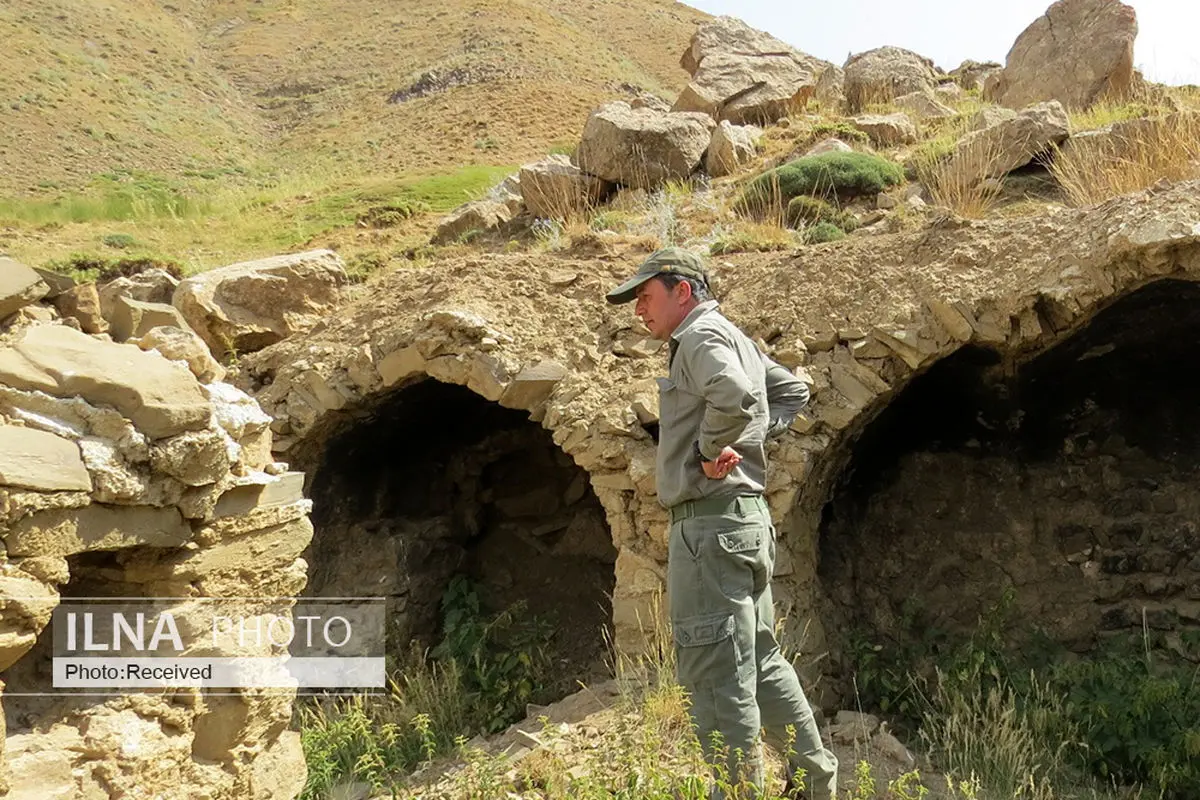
(721, 392)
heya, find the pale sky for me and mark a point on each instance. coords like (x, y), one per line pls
(1167, 48)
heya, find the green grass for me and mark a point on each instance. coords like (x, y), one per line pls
(1101, 115)
(446, 191)
(225, 215)
(113, 197)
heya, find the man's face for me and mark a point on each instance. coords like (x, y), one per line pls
(662, 309)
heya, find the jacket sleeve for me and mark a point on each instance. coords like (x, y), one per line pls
(728, 393)
(787, 395)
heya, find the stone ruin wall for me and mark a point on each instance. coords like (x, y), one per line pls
(125, 476)
(172, 490)
(859, 319)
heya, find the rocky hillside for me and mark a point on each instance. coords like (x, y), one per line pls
(204, 88)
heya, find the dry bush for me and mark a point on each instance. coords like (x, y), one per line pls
(753, 237)
(959, 180)
(1091, 170)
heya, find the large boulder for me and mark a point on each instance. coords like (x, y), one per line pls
(245, 307)
(974, 74)
(640, 147)
(925, 105)
(744, 75)
(1076, 53)
(731, 146)
(148, 286)
(885, 73)
(477, 215)
(161, 397)
(1011, 142)
(887, 130)
(19, 286)
(131, 319)
(554, 188)
(830, 91)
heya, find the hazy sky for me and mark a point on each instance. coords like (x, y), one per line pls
(1167, 48)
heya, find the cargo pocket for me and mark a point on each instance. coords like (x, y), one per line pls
(740, 565)
(706, 650)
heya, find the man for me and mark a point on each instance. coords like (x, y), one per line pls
(721, 401)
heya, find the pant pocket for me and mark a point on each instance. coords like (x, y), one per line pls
(706, 649)
(739, 560)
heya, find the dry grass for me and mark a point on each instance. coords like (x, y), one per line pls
(1092, 171)
(957, 174)
(205, 86)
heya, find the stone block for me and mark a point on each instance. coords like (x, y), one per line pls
(132, 319)
(19, 286)
(82, 303)
(63, 532)
(533, 385)
(34, 459)
(161, 397)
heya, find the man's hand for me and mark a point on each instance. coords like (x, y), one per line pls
(716, 470)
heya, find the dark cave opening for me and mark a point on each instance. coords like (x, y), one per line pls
(436, 482)
(1069, 481)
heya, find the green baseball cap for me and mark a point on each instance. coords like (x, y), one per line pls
(668, 261)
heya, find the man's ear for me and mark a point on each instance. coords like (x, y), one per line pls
(685, 291)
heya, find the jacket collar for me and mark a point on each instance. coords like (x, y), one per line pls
(693, 315)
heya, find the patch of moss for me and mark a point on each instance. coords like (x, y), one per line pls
(841, 175)
(823, 232)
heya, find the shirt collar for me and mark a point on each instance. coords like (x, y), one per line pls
(693, 315)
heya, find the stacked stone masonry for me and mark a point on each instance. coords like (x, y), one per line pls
(121, 474)
(859, 319)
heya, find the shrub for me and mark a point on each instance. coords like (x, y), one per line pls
(477, 680)
(1139, 713)
(839, 130)
(823, 232)
(118, 241)
(805, 210)
(1017, 708)
(391, 214)
(842, 175)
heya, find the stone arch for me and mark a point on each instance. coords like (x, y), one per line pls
(505, 486)
(995, 372)
(862, 319)
(326, 390)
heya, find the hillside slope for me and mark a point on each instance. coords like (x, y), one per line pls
(239, 85)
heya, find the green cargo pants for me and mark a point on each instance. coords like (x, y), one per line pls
(721, 557)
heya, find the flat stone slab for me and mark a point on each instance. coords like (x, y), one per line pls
(34, 459)
(161, 397)
(19, 286)
(64, 532)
